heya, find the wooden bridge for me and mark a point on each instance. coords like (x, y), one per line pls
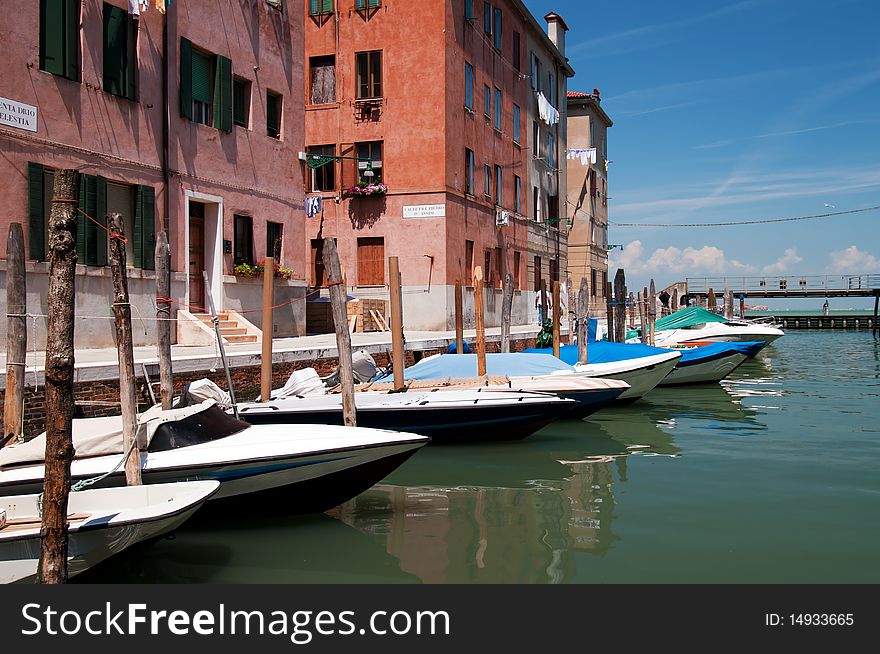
(789, 286)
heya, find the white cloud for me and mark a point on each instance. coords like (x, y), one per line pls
(708, 259)
(782, 263)
(852, 260)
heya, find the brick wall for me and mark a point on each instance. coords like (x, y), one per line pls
(101, 398)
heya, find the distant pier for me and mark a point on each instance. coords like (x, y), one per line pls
(811, 321)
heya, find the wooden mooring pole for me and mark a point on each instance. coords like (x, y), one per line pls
(874, 327)
(397, 355)
(652, 313)
(620, 306)
(340, 325)
(557, 315)
(609, 311)
(267, 328)
(728, 304)
(583, 313)
(479, 319)
(59, 378)
(16, 337)
(163, 313)
(506, 308)
(124, 349)
(459, 319)
(742, 305)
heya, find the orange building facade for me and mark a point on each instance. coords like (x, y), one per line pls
(426, 140)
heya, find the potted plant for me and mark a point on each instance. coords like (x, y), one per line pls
(365, 189)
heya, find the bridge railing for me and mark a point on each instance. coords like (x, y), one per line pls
(785, 283)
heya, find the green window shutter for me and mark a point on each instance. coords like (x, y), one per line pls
(202, 76)
(52, 23)
(145, 228)
(131, 31)
(37, 217)
(71, 39)
(114, 49)
(327, 6)
(81, 220)
(223, 94)
(100, 235)
(313, 7)
(186, 96)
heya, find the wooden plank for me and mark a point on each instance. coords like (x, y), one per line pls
(163, 313)
(396, 321)
(459, 319)
(266, 335)
(619, 306)
(16, 336)
(343, 338)
(583, 312)
(479, 319)
(557, 314)
(506, 307)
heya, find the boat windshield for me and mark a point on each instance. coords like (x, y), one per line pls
(201, 427)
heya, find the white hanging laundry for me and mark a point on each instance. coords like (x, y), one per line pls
(585, 155)
(547, 111)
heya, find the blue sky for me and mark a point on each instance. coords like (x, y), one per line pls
(734, 111)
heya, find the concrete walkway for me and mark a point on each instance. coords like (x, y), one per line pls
(101, 364)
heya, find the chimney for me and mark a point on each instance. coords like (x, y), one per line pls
(556, 29)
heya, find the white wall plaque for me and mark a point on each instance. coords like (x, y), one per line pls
(424, 211)
(18, 114)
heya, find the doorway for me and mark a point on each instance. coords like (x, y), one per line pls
(196, 255)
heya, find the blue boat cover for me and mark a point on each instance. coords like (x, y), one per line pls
(605, 352)
(465, 365)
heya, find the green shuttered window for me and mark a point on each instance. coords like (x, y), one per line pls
(120, 52)
(205, 87)
(145, 228)
(223, 94)
(59, 37)
(273, 114)
(37, 218)
(91, 232)
(367, 4)
(319, 7)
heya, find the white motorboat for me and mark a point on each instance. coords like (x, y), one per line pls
(695, 325)
(312, 468)
(101, 522)
(641, 373)
(710, 363)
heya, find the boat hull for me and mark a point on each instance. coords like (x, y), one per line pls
(718, 333)
(705, 371)
(642, 374)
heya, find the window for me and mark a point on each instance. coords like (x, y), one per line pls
(371, 261)
(323, 178)
(497, 108)
(320, 7)
(604, 196)
(468, 86)
(318, 272)
(554, 272)
(517, 190)
(469, 171)
(323, 80)
(516, 121)
(97, 197)
(553, 209)
(551, 89)
(273, 114)
(537, 273)
(369, 153)
(498, 185)
(487, 268)
(516, 270)
(536, 203)
(121, 200)
(551, 150)
(469, 9)
(487, 101)
(593, 282)
(274, 232)
(516, 50)
(487, 18)
(593, 189)
(487, 175)
(536, 72)
(499, 268)
(536, 140)
(367, 4)
(497, 29)
(241, 102)
(59, 37)
(120, 52)
(243, 243)
(369, 74)
(469, 263)
(205, 87)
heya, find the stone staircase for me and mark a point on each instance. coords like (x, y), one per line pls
(229, 328)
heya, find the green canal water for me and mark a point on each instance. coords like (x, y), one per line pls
(771, 477)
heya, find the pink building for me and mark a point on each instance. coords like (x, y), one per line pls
(86, 85)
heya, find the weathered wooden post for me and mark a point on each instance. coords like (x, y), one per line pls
(652, 312)
(16, 336)
(557, 314)
(544, 303)
(583, 313)
(728, 304)
(620, 306)
(643, 316)
(570, 297)
(340, 325)
(506, 307)
(479, 318)
(710, 301)
(163, 313)
(124, 348)
(397, 355)
(609, 311)
(459, 319)
(59, 378)
(742, 305)
(876, 307)
(631, 311)
(266, 336)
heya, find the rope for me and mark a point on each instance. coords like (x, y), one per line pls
(110, 234)
(84, 483)
(745, 222)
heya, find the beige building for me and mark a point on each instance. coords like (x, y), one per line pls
(587, 199)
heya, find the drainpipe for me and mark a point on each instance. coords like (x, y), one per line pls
(166, 127)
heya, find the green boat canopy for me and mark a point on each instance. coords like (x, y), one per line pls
(687, 317)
